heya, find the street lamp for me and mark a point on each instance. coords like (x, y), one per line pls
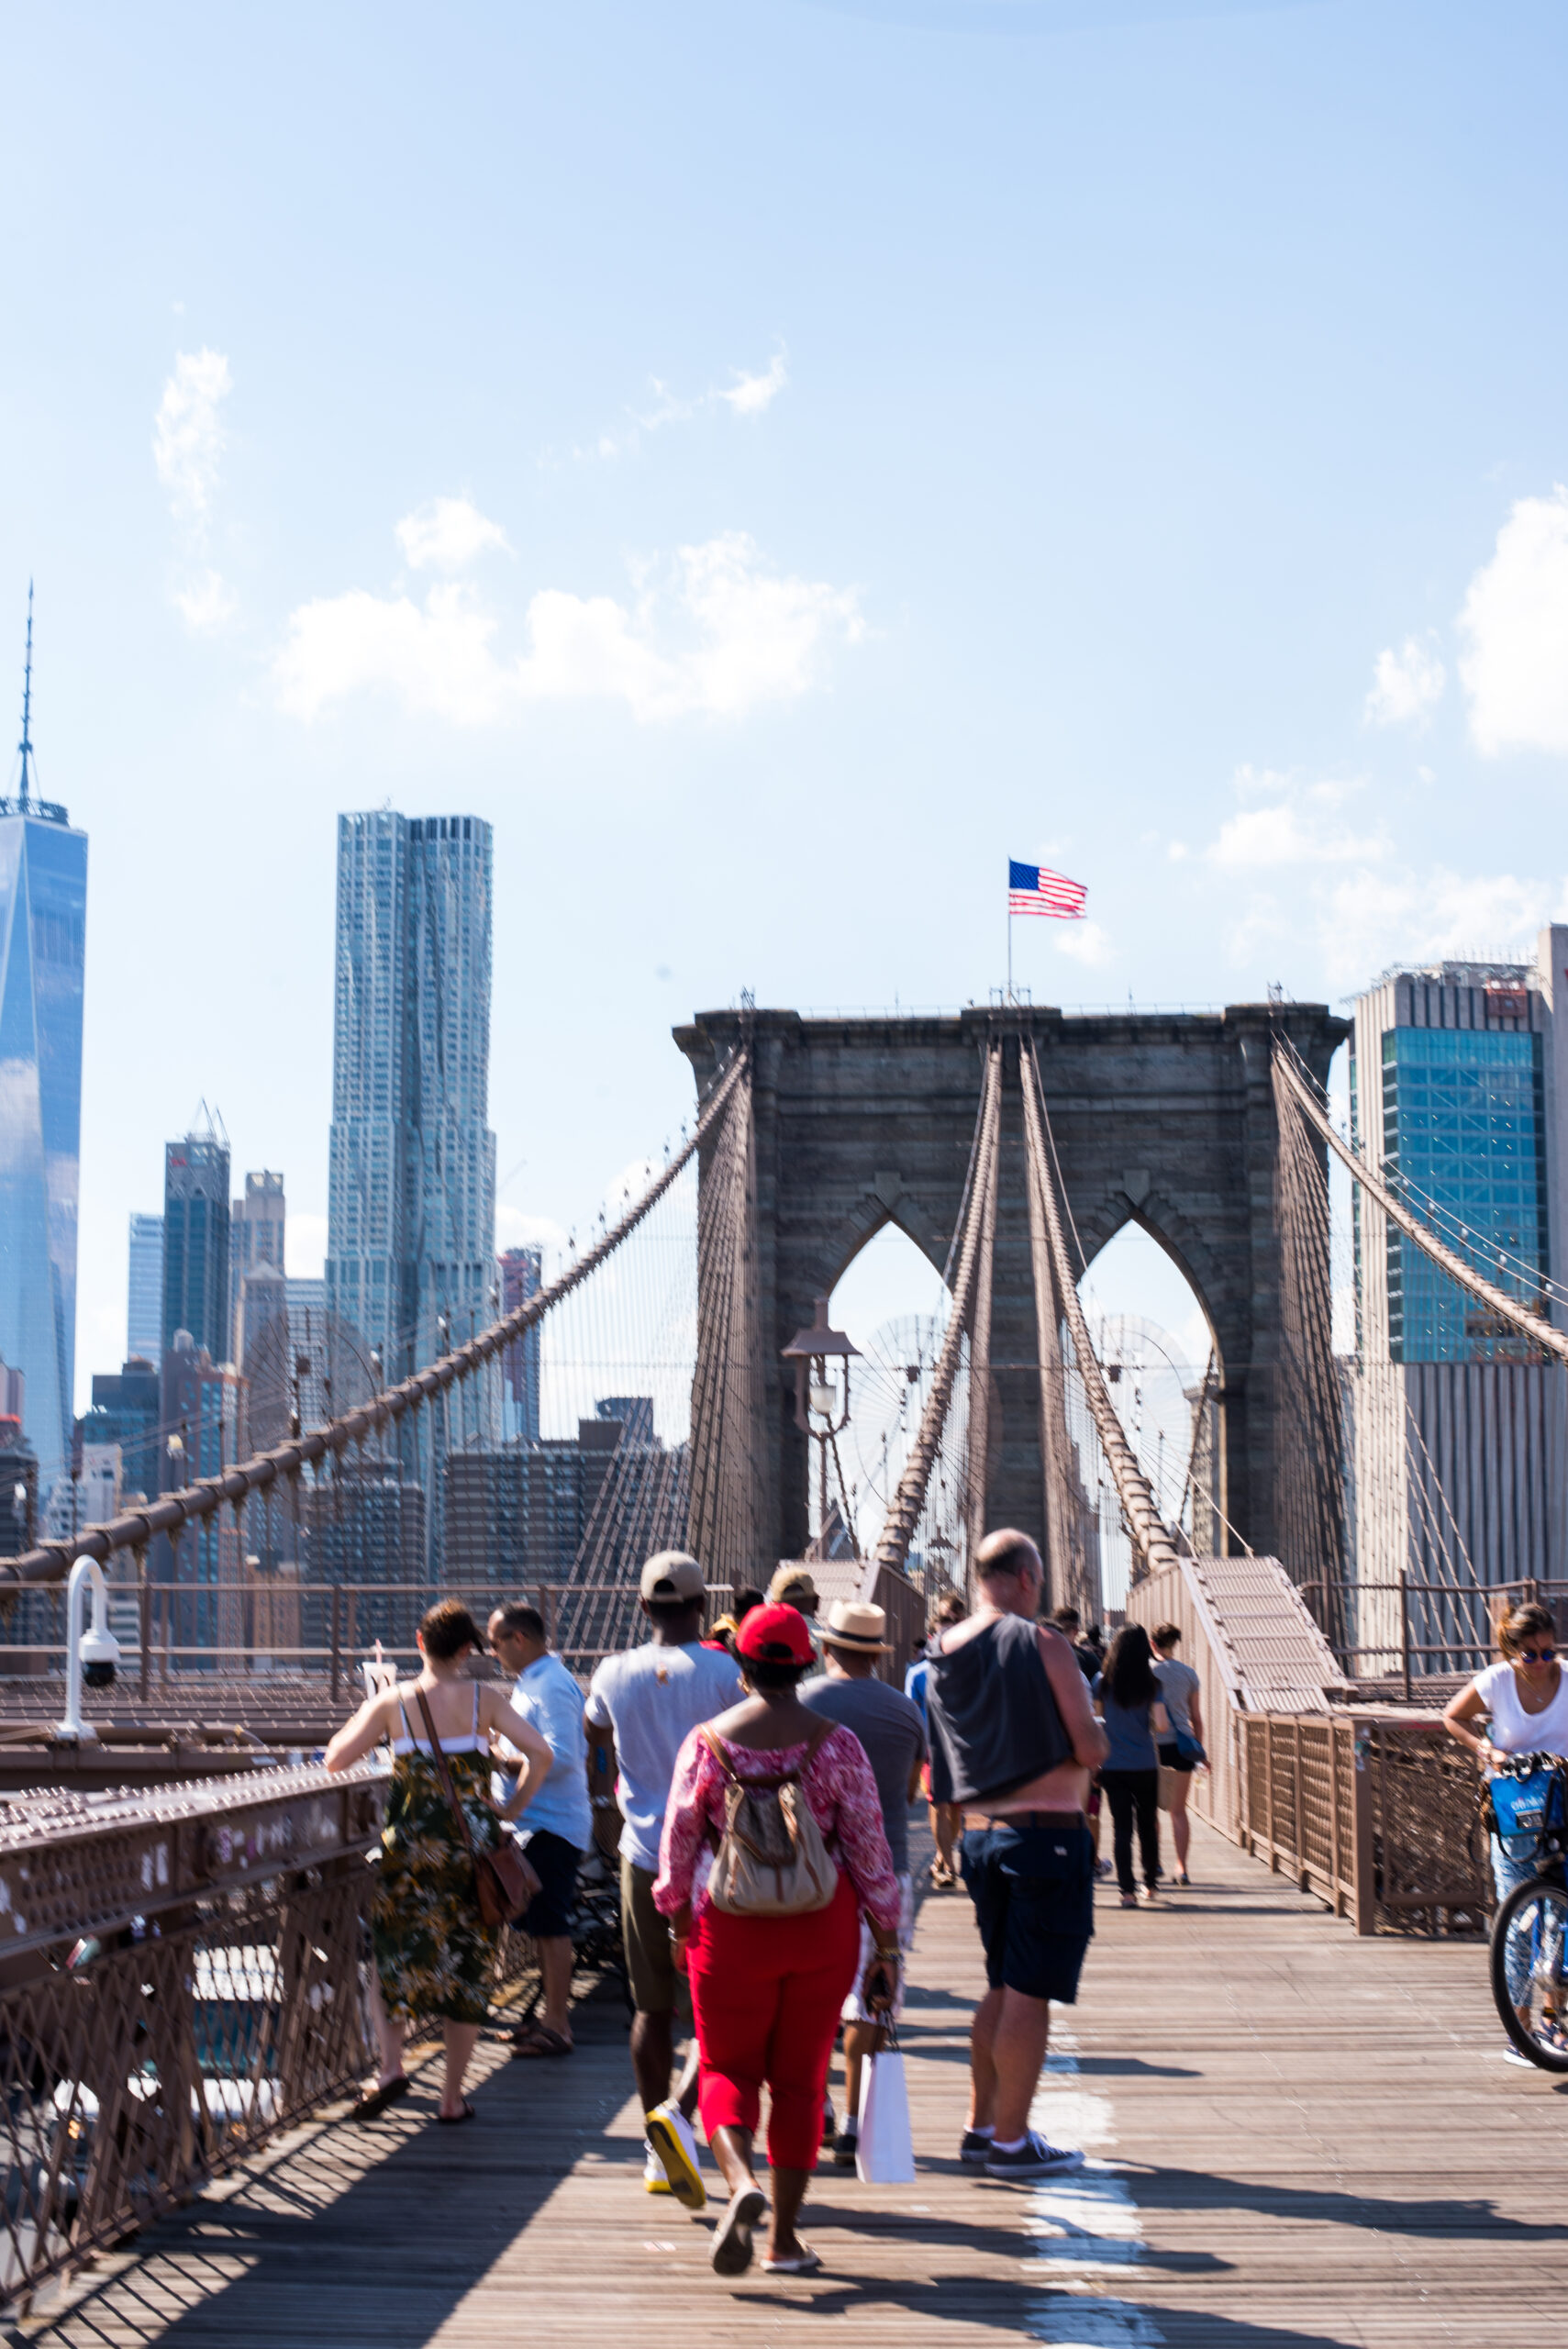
(817, 1397)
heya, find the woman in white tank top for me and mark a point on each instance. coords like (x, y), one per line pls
(1524, 1700)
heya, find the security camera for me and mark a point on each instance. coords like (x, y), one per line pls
(100, 1657)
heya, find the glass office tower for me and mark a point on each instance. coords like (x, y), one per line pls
(43, 927)
(1459, 1092)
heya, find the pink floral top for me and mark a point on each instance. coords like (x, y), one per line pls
(844, 1802)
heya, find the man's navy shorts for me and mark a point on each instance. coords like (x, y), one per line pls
(555, 1862)
(1033, 1889)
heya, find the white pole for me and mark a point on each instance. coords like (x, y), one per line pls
(74, 1728)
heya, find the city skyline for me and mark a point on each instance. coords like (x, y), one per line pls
(1134, 447)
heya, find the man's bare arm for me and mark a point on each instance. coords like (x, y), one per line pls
(1071, 1690)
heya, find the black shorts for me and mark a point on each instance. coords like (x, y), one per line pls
(1173, 1758)
(1033, 1889)
(555, 1862)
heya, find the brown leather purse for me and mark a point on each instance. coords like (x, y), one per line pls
(505, 1880)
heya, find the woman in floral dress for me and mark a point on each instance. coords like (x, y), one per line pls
(433, 1956)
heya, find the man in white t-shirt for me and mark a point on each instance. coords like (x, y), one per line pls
(651, 1698)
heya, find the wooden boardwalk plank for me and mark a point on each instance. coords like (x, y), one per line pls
(1298, 2139)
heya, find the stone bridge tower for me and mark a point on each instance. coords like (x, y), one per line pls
(1162, 1118)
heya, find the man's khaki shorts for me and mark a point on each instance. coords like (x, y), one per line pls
(656, 1987)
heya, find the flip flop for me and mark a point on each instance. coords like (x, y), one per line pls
(536, 2039)
(456, 2119)
(379, 2099)
(732, 2253)
(805, 2263)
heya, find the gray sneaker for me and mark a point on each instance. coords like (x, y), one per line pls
(1033, 2158)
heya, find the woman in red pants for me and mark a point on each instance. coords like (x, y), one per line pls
(766, 1991)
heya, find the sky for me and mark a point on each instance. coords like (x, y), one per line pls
(776, 461)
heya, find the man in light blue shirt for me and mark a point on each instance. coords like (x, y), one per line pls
(560, 1818)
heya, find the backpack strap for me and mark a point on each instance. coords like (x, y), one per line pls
(816, 1738)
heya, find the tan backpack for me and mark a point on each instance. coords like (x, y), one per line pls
(772, 1860)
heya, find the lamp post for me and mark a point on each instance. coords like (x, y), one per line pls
(817, 1398)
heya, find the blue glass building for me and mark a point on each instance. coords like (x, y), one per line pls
(1459, 1092)
(43, 929)
(1464, 1124)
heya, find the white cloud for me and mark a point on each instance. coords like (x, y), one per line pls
(1300, 829)
(188, 439)
(712, 632)
(1407, 684)
(750, 395)
(188, 436)
(515, 1228)
(206, 606)
(1083, 942)
(747, 395)
(1370, 920)
(1515, 622)
(448, 534)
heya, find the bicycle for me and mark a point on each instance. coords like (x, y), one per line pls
(1526, 1805)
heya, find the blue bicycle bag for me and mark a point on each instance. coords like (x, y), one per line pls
(1524, 1808)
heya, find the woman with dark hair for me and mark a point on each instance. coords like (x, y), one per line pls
(433, 1956)
(1524, 1702)
(766, 1990)
(1128, 1697)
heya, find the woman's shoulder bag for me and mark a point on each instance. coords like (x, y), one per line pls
(772, 1859)
(505, 1879)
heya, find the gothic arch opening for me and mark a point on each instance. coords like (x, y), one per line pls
(1152, 1331)
(890, 1300)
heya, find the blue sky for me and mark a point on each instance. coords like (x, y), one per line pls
(777, 461)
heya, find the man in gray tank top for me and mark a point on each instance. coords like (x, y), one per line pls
(1014, 1740)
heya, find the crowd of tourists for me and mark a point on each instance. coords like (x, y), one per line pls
(765, 1772)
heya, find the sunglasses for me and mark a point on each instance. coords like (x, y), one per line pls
(1538, 1655)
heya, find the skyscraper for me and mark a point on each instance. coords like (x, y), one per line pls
(256, 1226)
(1459, 1087)
(144, 1288)
(43, 923)
(196, 1241)
(411, 1206)
(522, 1274)
(411, 1199)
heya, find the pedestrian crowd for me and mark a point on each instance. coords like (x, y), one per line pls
(765, 1768)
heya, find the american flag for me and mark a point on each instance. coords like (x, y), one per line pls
(1033, 889)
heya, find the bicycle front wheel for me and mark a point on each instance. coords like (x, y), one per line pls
(1529, 1970)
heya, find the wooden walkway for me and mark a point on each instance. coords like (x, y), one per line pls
(1298, 2139)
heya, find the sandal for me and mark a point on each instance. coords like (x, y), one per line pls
(456, 2119)
(536, 2039)
(377, 2100)
(805, 2262)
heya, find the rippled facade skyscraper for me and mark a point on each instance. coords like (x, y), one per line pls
(411, 1199)
(43, 927)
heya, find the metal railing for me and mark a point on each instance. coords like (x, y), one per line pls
(186, 1973)
(255, 1630)
(1375, 1815)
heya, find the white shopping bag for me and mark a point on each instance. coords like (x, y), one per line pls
(885, 2148)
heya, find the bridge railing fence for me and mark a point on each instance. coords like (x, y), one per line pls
(257, 1630)
(1375, 1813)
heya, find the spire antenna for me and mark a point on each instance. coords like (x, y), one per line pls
(25, 745)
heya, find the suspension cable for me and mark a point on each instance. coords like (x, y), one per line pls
(1144, 1523)
(51, 1559)
(904, 1512)
(1539, 1331)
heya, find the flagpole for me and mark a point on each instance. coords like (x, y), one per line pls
(1010, 950)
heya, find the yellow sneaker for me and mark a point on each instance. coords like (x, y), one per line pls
(675, 2146)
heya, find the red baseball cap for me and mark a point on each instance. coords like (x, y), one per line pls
(775, 1634)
